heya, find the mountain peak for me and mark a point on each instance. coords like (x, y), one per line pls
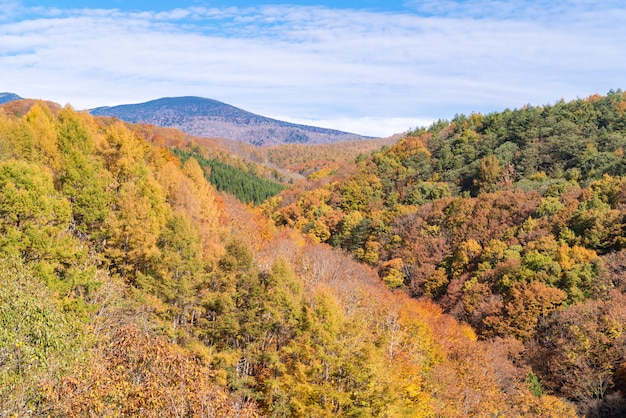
(8, 97)
(211, 118)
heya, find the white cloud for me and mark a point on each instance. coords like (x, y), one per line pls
(352, 70)
(8, 8)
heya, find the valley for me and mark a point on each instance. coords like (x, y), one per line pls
(474, 267)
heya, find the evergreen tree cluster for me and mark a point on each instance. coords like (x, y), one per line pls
(247, 187)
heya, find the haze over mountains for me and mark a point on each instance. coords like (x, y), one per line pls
(211, 118)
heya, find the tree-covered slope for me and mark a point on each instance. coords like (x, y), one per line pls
(244, 185)
(129, 287)
(514, 222)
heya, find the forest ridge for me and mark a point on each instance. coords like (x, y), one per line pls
(478, 269)
(513, 222)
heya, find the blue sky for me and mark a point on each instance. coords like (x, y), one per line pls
(371, 67)
(142, 5)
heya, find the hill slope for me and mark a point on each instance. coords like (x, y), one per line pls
(211, 118)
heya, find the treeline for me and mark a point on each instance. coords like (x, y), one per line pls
(244, 185)
(513, 222)
(128, 287)
(577, 141)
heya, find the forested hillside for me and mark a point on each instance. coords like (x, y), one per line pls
(226, 164)
(513, 222)
(245, 185)
(130, 287)
(306, 159)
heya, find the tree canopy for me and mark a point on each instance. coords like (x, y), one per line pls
(477, 269)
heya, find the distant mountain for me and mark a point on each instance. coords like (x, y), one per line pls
(8, 97)
(213, 119)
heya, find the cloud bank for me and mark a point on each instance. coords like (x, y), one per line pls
(365, 72)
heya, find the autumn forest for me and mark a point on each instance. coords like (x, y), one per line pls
(475, 267)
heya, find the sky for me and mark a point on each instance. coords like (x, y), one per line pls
(371, 67)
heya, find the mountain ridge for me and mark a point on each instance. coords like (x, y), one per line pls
(6, 97)
(211, 118)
